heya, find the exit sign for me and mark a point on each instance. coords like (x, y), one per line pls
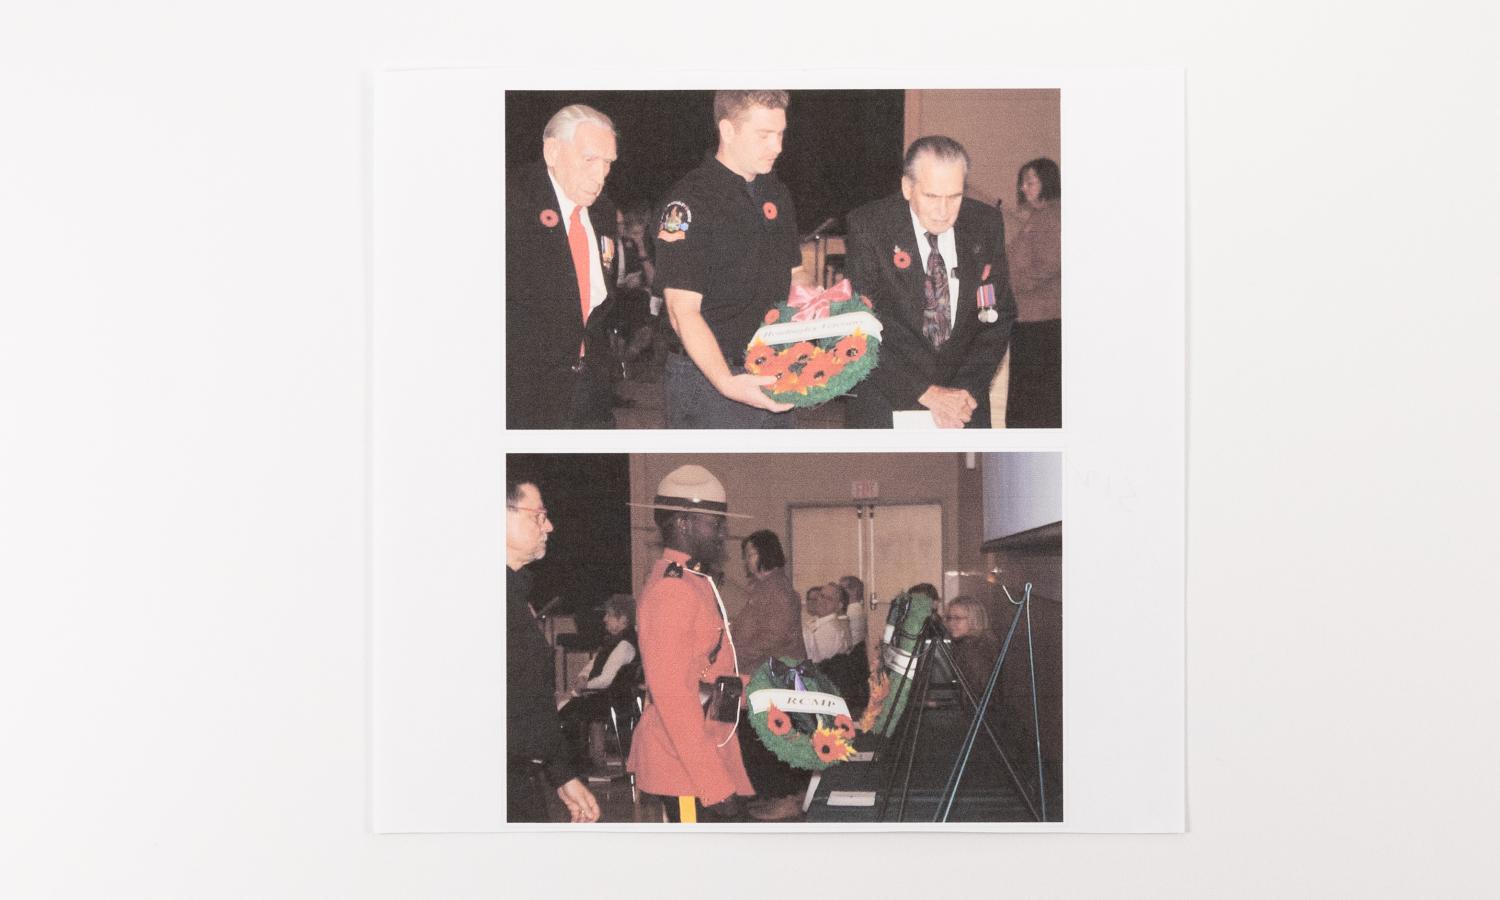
(866, 490)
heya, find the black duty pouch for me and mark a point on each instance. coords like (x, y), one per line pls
(721, 698)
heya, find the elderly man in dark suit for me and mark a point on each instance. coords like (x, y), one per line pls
(561, 250)
(932, 262)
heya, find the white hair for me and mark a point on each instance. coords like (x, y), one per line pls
(565, 122)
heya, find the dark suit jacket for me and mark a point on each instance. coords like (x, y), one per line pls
(543, 322)
(908, 363)
(531, 726)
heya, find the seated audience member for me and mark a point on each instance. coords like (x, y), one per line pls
(849, 669)
(595, 688)
(975, 645)
(827, 634)
(855, 610)
(633, 323)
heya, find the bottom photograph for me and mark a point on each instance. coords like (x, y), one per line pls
(784, 638)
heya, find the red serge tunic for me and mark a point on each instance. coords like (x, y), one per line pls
(675, 749)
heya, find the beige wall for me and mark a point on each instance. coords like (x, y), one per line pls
(1001, 129)
(764, 484)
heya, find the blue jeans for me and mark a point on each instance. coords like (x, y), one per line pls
(692, 402)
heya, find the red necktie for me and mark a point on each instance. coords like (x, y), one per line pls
(578, 242)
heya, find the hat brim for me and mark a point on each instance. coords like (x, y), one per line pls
(691, 509)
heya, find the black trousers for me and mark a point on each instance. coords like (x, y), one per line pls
(770, 777)
(525, 793)
(575, 716)
(1035, 396)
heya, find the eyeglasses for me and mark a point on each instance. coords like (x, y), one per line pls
(538, 513)
(950, 617)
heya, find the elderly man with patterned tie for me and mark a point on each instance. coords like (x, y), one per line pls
(932, 262)
(561, 253)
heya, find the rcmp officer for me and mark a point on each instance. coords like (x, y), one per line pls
(561, 253)
(932, 262)
(726, 247)
(681, 751)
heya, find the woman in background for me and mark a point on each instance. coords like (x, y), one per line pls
(975, 645)
(1035, 253)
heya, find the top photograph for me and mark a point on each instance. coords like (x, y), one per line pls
(783, 259)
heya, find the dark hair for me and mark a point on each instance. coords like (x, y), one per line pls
(768, 547)
(622, 605)
(733, 104)
(853, 585)
(843, 595)
(925, 588)
(943, 149)
(1047, 173)
(514, 481)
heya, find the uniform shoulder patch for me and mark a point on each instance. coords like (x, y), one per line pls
(676, 219)
(673, 571)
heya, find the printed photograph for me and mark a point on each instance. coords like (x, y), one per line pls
(859, 639)
(783, 259)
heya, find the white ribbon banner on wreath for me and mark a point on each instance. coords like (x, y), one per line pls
(841, 325)
(798, 702)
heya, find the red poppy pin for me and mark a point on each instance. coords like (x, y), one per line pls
(769, 209)
(984, 276)
(901, 258)
(549, 218)
(778, 722)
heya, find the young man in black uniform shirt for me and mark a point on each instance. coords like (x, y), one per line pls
(534, 746)
(725, 251)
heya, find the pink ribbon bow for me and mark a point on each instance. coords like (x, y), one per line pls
(811, 303)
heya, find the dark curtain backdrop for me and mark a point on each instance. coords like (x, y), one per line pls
(588, 552)
(842, 148)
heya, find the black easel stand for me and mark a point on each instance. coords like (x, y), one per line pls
(916, 690)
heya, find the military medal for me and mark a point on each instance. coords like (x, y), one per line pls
(606, 251)
(984, 298)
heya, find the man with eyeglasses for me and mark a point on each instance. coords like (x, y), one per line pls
(535, 750)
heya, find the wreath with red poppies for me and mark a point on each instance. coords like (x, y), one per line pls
(812, 741)
(817, 345)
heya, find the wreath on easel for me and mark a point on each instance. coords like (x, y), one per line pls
(891, 684)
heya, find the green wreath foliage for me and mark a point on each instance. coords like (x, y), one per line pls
(795, 748)
(810, 373)
(905, 639)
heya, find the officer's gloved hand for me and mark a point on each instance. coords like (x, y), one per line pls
(730, 809)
